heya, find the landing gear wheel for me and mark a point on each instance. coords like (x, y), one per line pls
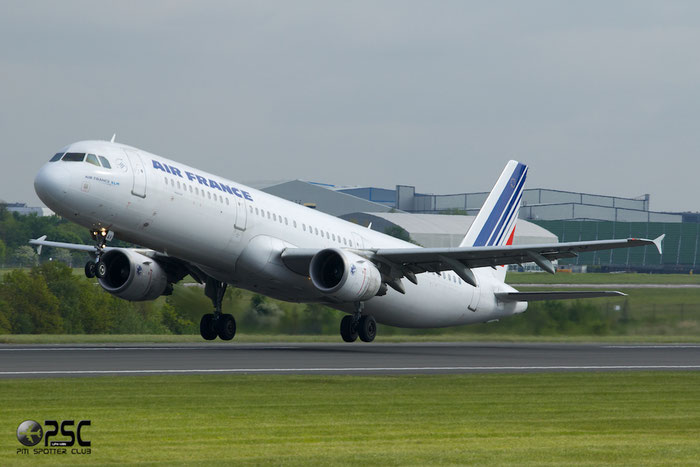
(347, 330)
(367, 328)
(226, 327)
(207, 327)
(90, 269)
(101, 270)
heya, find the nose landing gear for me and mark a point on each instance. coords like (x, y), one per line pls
(97, 268)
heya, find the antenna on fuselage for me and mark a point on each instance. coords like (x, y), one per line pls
(113, 136)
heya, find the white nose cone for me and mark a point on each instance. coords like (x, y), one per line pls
(51, 184)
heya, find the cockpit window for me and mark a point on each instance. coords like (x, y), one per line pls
(105, 162)
(92, 159)
(74, 157)
(56, 157)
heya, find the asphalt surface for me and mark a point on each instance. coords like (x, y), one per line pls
(412, 358)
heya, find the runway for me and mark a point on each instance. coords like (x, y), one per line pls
(379, 359)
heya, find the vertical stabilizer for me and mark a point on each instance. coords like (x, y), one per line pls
(495, 224)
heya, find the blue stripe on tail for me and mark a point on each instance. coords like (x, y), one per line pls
(503, 210)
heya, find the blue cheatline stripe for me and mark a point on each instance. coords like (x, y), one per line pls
(498, 231)
(495, 215)
(513, 210)
(507, 226)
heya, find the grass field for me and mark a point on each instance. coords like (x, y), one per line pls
(555, 418)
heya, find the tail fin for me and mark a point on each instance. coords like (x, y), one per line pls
(495, 224)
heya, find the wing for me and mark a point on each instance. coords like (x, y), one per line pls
(176, 268)
(411, 261)
(434, 259)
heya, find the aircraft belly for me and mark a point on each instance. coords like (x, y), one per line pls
(433, 306)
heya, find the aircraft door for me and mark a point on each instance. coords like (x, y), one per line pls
(241, 213)
(139, 171)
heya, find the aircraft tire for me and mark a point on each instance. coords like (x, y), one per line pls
(346, 329)
(207, 327)
(367, 328)
(90, 269)
(226, 327)
(101, 270)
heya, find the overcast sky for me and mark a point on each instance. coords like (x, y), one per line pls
(600, 97)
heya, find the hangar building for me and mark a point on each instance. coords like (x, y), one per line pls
(438, 230)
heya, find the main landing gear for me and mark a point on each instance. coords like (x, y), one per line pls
(358, 325)
(217, 323)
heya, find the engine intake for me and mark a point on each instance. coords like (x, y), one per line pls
(344, 276)
(133, 276)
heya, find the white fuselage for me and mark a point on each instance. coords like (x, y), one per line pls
(236, 234)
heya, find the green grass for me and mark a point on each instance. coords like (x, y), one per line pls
(600, 278)
(499, 419)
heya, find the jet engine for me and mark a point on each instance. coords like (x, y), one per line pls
(344, 276)
(132, 276)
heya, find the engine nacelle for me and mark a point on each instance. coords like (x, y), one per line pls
(133, 276)
(344, 276)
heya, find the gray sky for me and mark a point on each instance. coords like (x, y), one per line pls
(599, 97)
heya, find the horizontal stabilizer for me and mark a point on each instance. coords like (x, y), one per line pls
(539, 296)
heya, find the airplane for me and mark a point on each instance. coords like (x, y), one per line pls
(220, 232)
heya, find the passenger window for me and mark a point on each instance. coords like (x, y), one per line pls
(333, 237)
(74, 157)
(303, 227)
(166, 180)
(178, 185)
(285, 221)
(172, 182)
(274, 217)
(227, 203)
(268, 215)
(56, 157)
(295, 224)
(209, 194)
(316, 230)
(105, 162)
(251, 207)
(190, 186)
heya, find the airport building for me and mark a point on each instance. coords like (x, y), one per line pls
(24, 210)
(545, 216)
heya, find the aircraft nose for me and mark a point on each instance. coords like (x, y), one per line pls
(51, 183)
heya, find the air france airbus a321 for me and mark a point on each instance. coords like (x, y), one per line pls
(220, 232)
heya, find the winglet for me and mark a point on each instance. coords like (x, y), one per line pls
(38, 248)
(657, 242)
